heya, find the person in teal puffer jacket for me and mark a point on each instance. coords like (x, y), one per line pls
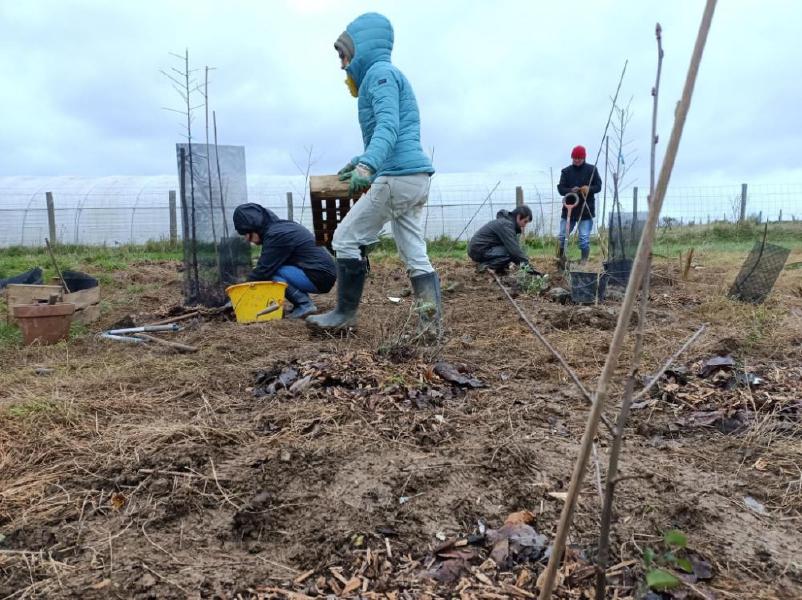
(393, 173)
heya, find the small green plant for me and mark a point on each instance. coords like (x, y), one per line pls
(672, 556)
(30, 409)
(530, 282)
(78, 330)
(9, 335)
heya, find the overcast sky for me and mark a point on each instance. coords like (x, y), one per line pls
(507, 86)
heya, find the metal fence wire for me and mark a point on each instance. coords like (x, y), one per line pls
(135, 210)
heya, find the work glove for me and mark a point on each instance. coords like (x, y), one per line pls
(585, 191)
(359, 180)
(345, 171)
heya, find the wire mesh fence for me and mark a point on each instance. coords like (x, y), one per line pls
(134, 210)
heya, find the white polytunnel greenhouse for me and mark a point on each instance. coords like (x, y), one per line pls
(118, 210)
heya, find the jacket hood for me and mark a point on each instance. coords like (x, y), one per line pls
(505, 214)
(372, 35)
(253, 218)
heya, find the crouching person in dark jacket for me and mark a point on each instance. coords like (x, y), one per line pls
(495, 245)
(289, 255)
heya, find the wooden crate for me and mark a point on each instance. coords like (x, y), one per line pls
(330, 203)
(21, 293)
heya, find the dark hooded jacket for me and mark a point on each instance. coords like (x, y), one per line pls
(501, 232)
(571, 177)
(285, 243)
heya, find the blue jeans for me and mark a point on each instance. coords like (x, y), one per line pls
(585, 227)
(295, 276)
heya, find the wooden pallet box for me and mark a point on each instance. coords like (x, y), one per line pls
(330, 203)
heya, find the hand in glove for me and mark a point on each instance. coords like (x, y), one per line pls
(344, 173)
(585, 191)
(359, 180)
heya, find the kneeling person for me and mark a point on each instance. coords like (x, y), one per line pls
(289, 255)
(495, 245)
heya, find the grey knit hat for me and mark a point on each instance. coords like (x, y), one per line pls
(345, 45)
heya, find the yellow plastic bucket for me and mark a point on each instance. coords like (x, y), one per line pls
(249, 299)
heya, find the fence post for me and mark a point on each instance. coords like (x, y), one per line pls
(519, 196)
(743, 203)
(51, 216)
(289, 206)
(634, 203)
(173, 219)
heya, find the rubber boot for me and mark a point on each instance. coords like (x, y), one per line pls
(585, 256)
(429, 302)
(302, 304)
(350, 283)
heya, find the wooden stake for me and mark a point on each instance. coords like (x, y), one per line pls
(687, 267)
(167, 343)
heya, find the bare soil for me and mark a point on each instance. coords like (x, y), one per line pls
(131, 472)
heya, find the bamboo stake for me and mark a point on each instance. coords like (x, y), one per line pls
(639, 269)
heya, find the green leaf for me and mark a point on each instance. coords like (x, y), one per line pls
(684, 564)
(659, 580)
(674, 537)
(648, 557)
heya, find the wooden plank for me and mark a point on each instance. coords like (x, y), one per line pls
(328, 185)
(19, 293)
(84, 298)
(88, 315)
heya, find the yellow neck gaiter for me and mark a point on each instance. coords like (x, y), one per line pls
(352, 87)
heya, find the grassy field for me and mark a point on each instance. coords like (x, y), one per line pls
(103, 260)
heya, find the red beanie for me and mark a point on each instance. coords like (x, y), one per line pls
(578, 152)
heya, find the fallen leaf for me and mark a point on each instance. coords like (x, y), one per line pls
(658, 579)
(450, 373)
(117, 500)
(701, 568)
(716, 363)
(523, 578)
(353, 584)
(522, 516)
(558, 579)
(761, 464)
(301, 385)
(448, 571)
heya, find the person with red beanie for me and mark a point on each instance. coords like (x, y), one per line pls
(579, 183)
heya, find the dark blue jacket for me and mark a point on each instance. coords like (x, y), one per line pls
(571, 177)
(285, 243)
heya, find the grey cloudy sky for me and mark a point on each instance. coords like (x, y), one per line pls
(507, 86)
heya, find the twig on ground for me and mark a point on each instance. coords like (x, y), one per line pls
(166, 580)
(219, 487)
(661, 371)
(566, 367)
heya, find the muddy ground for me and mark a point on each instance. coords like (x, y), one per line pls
(131, 472)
